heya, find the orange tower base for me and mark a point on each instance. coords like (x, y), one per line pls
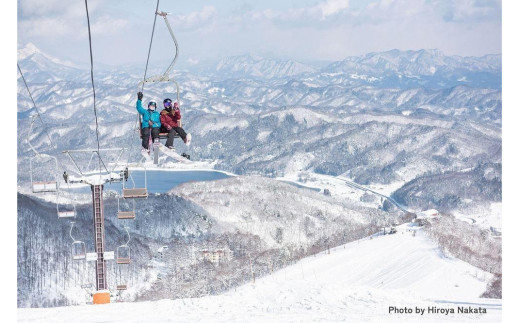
(101, 298)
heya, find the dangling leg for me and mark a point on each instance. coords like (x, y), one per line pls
(145, 132)
(185, 137)
(171, 135)
(155, 134)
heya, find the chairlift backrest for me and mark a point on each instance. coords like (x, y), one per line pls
(78, 250)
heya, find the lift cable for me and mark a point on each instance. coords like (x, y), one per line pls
(136, 128)
(93, 89)
(39, 117)
(150, 48)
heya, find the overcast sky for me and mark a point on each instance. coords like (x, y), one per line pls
(305, 30)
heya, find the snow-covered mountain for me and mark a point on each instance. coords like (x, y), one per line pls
(256, 66)
(260, 124)
(424, 68)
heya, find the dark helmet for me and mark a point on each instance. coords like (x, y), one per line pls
(167, 103)
(152, 103)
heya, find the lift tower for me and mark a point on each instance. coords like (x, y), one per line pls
(96, 182)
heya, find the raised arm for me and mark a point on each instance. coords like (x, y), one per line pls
(139, 104)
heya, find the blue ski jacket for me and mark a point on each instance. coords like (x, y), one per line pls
(148, 115)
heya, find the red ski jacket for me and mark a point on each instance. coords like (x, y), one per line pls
(170, 118)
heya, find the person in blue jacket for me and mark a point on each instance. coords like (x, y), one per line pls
(151, 120)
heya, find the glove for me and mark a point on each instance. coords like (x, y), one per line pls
(139, 95)
(175, 108)
(168, 127)
(150, 123)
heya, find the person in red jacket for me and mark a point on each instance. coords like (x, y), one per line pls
(171, 123)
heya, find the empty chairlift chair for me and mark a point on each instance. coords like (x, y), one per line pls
(123, 255)
(64, 211)
(135, 192)
(123, 252)
(46, 183)
(79, 251)
(121, 286)
(123, 215)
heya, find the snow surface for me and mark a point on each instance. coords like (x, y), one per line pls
(355, 282)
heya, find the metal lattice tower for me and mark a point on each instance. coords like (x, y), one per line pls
(99, 236)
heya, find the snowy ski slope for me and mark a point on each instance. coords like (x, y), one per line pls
(356, 282)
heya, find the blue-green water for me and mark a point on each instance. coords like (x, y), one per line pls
(161, 181)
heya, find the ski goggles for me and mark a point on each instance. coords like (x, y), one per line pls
(152, 103)
(167, 104)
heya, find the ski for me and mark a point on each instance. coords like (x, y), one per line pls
(171, 153)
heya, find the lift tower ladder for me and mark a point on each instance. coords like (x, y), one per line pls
(99, 236)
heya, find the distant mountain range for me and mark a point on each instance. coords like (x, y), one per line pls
(394, 68)
(379, 118)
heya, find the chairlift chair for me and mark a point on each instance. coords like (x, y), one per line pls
(123, 255)
(79, 251)
(135, 192)
(162, 78)
(125, 214)
(50, 184)
(122, 278)
(64, 211)
(123, 251)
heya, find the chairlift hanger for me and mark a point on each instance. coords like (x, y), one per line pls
(123, 251)
(78, 247)
(62, 211)
(50, 185)
(123, 215)
(165, 77)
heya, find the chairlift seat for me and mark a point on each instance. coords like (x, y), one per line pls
(78, 256)
(135, 193)
(123, 261)
(162, 135)
(40, 187)
(121, 287)
(126, 215)
(66, 214)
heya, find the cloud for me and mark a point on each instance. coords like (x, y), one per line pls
(319, 12)
(323, 30)
(469, 10)
(196, 19)
(331, 7)
(53, 19)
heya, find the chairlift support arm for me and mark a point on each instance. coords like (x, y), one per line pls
(164, 77)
